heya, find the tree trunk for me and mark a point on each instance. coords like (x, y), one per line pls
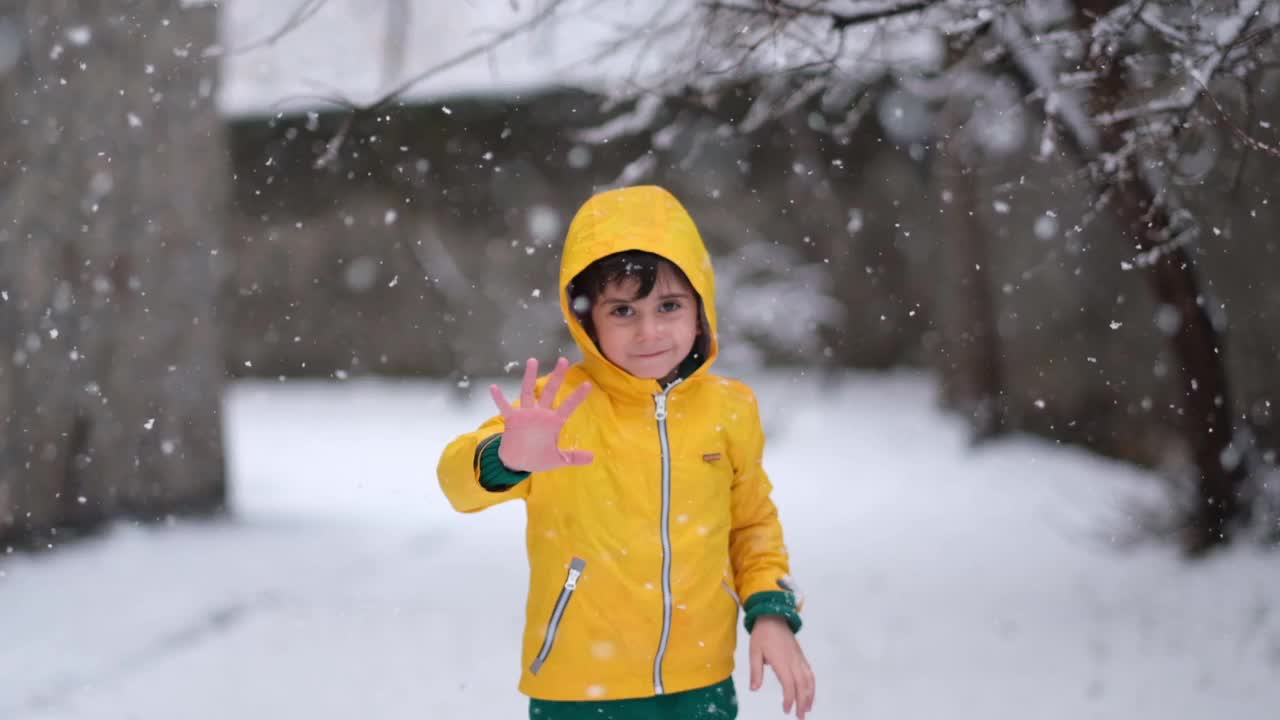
(1196, 343)
(112, 190)
(972, 379)
(1198, 348)
(971, 365)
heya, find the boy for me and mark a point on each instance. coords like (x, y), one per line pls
(648, 509)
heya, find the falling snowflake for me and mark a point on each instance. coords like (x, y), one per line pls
(80, 35)
(1046, 226)
(855, 222)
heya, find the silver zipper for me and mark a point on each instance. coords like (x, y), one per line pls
(570, 584)
(660, 414)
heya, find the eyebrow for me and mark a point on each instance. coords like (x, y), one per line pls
(626, 301)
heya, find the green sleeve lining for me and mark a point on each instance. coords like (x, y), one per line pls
(494, 476)
(772, 602)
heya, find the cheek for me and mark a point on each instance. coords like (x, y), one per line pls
(691, 326)
(609, 336)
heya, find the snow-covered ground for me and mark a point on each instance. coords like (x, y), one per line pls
(941, 581)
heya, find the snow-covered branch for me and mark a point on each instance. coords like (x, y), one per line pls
(1227, 33)
(1065, 105)
(1155, 20)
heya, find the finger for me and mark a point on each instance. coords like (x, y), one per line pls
(530, 380)
(813, 690)
(500, 400)
(788, 682)
(552, 387)
(572, 402)
(577, 457)
(806, 689)
(757, 666)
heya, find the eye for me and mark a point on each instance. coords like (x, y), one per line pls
(670, 306)
(622, 311)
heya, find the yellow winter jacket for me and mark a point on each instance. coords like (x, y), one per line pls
(637, 561)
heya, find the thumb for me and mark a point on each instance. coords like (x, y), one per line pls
(576, 457)
(757, 666)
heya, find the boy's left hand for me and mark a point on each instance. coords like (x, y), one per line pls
(773, 643)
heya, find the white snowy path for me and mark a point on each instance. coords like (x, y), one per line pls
(941, 582)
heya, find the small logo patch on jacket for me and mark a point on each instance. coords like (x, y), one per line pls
(711, 457)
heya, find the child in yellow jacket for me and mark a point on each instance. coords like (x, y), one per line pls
(648, 510)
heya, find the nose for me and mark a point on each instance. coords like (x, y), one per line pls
(649, 327)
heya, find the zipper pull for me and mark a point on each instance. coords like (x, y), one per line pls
(575, 571)
(660, 413)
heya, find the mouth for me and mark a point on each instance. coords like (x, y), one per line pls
(649, 356)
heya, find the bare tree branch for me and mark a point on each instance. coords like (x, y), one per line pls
(334, 145)
(331, 148)
(869, 12)
(498, 40)
(1245, 137)
(305, 10)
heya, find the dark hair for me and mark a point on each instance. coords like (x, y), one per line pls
(630, 264)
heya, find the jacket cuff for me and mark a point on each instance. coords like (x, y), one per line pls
(494, 476)
(772, 602)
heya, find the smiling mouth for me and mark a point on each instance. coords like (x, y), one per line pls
(646, 356)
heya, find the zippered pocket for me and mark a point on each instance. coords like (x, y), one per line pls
(732, 593)
(570, 585)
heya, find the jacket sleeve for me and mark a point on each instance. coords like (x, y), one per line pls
(760, 565)
(460, 469)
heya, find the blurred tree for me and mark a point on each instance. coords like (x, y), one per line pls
(113, 182)
(1119, 83)
(969, 359)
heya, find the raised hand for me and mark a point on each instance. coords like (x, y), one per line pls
(531, 440)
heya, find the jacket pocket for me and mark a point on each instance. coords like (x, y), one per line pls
(553, 626)
(732, 593)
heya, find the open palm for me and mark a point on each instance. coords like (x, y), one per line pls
(531, 440)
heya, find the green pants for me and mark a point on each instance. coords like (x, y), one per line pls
(718, 702)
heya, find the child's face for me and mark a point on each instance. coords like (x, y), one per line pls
(648, 337)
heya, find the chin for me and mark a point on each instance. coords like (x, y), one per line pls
(650, 372)
(647, 374)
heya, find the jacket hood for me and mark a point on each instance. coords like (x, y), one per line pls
(644, 218)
